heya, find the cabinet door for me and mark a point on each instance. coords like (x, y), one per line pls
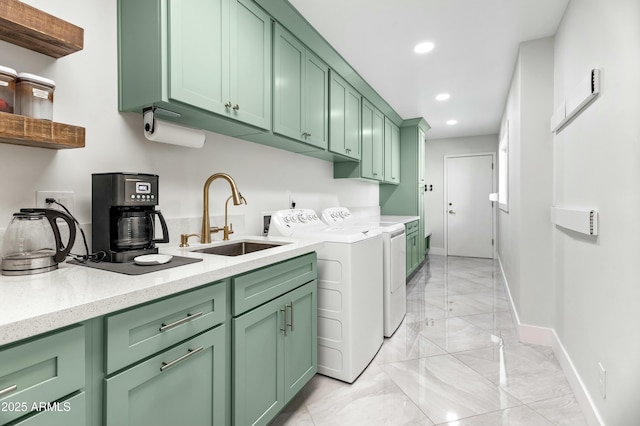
(198, 53)
(258, 364)
(289, 62)
(183, 385)
(301, 342)
(391, 152)
(316, 101)
(344, 118)
(250, 64)
(378, 145)
(366, 163)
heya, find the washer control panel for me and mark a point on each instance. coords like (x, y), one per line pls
(288, 221)
(337, 215)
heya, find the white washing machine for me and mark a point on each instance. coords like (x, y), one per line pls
(350, 319)
(394, 262)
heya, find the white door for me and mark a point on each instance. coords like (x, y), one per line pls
(468, 211)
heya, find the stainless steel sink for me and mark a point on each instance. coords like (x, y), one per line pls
(239, 248)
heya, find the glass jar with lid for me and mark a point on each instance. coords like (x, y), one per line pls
(7, 89)
(34, 96)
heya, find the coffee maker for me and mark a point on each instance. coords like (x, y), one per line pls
(123, 215)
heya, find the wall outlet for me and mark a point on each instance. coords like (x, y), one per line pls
(602, 378)
(63, 197)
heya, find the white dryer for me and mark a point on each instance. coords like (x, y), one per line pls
(350, 319)
(394, 262)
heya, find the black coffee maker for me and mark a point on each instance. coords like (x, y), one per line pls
(124, 215)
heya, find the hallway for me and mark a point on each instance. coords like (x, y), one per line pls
(455, 360)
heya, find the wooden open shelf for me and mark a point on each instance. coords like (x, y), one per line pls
(26, 26)
(21, 130)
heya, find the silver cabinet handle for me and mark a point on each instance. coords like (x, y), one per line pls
(8, 390)
(290, 306)
(284, 320)
(452, 212)
(189, 317)
(305, 134)
(191, 352)
(308, 135)
(228, 104)
(237, 107)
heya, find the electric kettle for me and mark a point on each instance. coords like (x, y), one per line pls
(32, 243)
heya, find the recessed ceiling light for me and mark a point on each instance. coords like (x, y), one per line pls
(443, 97)
(452, 122)
(424, 47)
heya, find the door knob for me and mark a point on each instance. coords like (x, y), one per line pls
(452, 212)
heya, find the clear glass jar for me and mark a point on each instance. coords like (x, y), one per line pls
(34, 96)
(7, 89)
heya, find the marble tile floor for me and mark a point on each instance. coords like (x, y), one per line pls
(455, 360)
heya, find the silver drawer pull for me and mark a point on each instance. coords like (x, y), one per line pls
(284, 320)
(8, 390)
(188, 318)
(191, 352)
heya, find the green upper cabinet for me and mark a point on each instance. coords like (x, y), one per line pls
(391, 152)
(344, 118)
(372, 142)
(301, 91)
(196, 57)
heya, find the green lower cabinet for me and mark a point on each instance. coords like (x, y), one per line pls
(274, 354)
(413, 246)
(41, 371)
(183, 385)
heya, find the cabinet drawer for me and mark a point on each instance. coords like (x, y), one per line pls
(140, 332)
(257, 287)
(70, 412)
(412, 226)
(184, 385)
(42, 370)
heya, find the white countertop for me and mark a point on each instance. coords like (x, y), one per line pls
(35, 304)
(399, 219)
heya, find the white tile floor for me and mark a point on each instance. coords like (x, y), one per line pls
(455, 360)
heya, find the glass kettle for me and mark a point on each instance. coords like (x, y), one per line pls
(32, 243)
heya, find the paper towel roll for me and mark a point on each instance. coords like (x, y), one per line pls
(166, 132)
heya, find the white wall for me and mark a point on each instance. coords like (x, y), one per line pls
(435, 151)
(597, 165)
(86, 95)
(525, 231)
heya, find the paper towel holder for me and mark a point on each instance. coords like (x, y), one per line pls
(148, 115)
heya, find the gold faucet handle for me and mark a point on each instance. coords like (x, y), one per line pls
(184, 239)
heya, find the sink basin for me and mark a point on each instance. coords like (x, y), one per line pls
(239, 248)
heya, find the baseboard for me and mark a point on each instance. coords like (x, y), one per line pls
(438, 251)
(546, 336)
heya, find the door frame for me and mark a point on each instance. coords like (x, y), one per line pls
(445, 203)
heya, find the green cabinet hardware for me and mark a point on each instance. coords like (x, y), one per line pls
(275, 354)
(407, 197)
(41, 370)
(140, 332)
(207, 61)
(183, 385)
(344, 118)
(68, 412)
(391, 152)
(300, 91)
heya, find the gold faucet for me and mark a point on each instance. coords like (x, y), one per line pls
(207, 230)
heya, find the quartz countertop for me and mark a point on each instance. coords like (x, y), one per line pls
(399, 219)
(35, 304)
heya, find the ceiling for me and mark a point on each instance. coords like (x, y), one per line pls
(476, 45)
